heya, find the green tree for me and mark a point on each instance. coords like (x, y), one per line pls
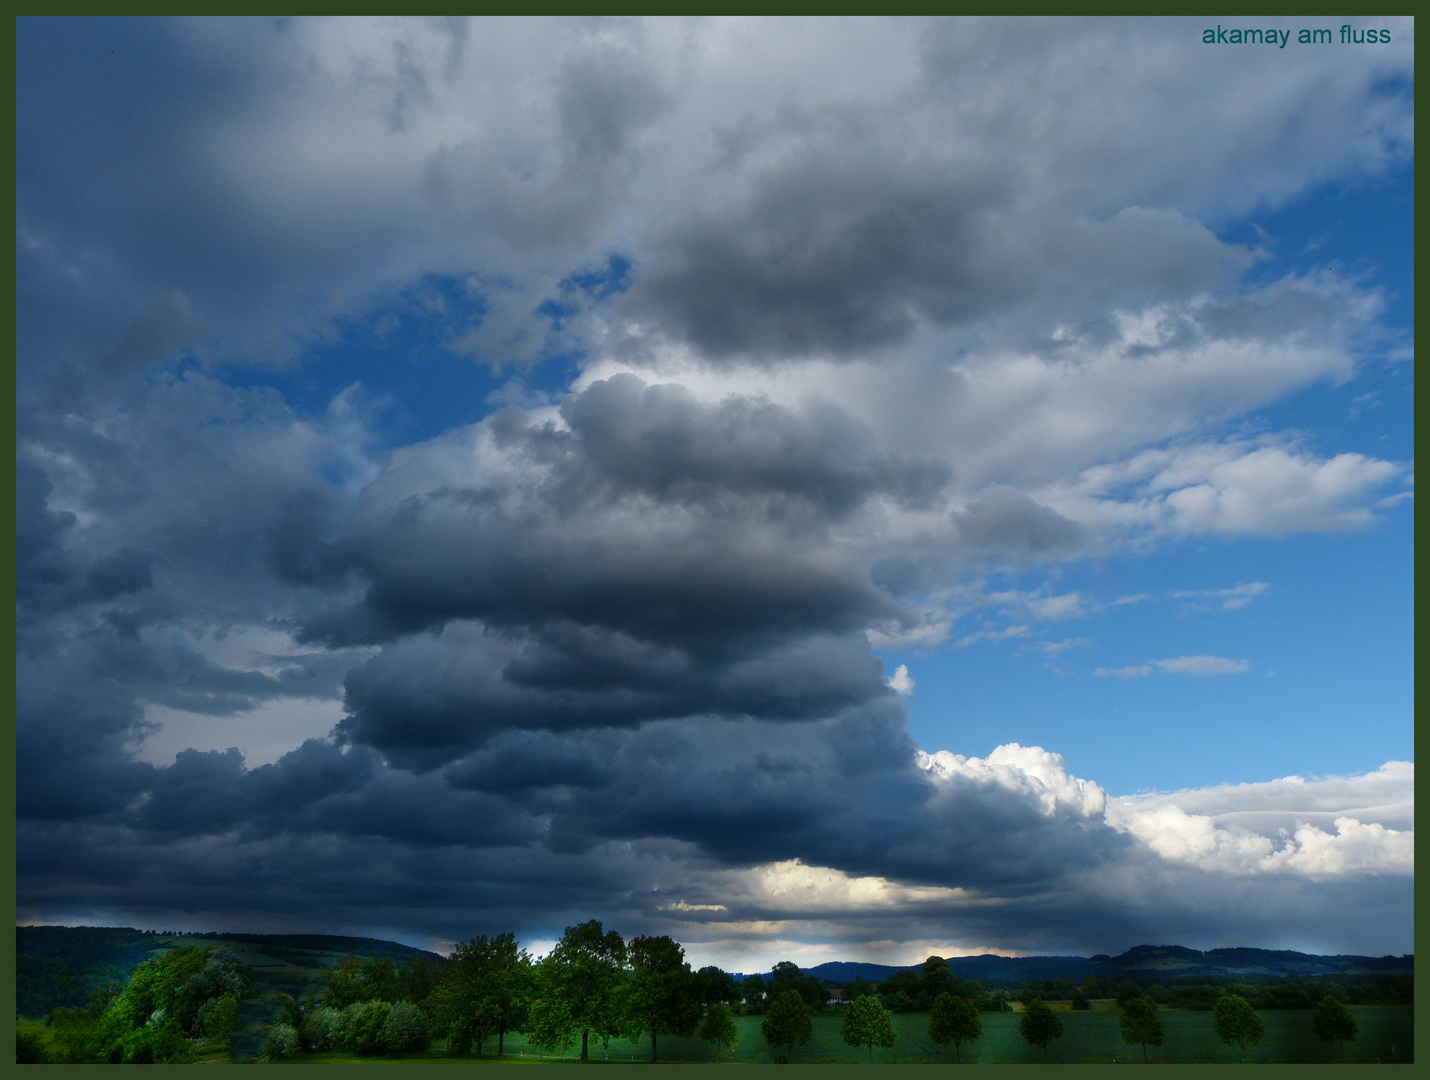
(218, 1018)
(1333, 1022)
(787, 1023)
(485, 990)
(1236, 1022)
(580, 988)
(417, 978)
(1040, 1025)
(787, 976)
(752, 993)
(934, 979)
(1141, 1024)
(718, 1028)
(1125, 991)
(353, 979)
(866, 1023)
(664, 994)
(900, 991)
(717, 985)
(954, 1020)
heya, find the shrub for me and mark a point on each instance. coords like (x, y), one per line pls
(363, 1022)
(157, 1043)
(405, 1029)
(29, 1047)
(282, 1042)
(323, 1028)
(218, 1018)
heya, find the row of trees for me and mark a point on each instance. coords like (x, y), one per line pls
(956, 1020)
(594, 983)
(1233, 1018)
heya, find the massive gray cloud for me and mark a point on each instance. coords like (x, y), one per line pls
(875, 305)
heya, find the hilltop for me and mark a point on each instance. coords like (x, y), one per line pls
(1165, 962)
(63, 965)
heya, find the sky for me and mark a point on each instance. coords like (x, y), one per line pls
(819, 489)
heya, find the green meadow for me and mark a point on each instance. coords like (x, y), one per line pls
(1090, 1037)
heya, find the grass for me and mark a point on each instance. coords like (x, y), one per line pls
(1091, 1037)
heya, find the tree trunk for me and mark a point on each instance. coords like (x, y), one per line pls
(1144, 1053)
(501, 1039)
(584, 1055)
(652, 1046)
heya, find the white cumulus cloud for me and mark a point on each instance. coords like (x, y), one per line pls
(1030, 771)
(902, 681)
(1313, 828)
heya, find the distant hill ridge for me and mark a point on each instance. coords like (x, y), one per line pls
(1141, 961)
(62, 965)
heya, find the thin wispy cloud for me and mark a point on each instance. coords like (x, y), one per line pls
(1237, 596)
(1203, 665)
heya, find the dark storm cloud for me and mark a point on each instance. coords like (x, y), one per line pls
(705, 528)
(70, 752)
(652, 557)
(320, 789)
(846, 794)
(428, 697)
(661, 441)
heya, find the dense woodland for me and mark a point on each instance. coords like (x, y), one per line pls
(187, 1002)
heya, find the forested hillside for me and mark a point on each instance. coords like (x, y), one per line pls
(63, 966)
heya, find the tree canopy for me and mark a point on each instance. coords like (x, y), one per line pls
(718, 1028)
(1040, 1025)
(1141, 1024)
(717, 985)
(486, 990)
(1236, 1022)
(1333, 1022)
(581, 988)
(753, 994)
(867, 1023)
(787, 1023)
(352, 979)
(787, 976)
(954, 1020)
(664, 995)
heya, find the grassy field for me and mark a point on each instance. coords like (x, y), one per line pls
(1090, 1037)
